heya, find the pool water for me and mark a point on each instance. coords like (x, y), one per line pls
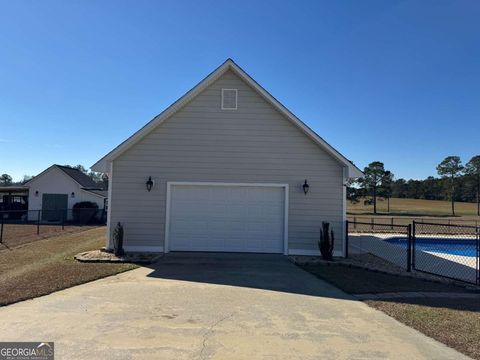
(460, 247)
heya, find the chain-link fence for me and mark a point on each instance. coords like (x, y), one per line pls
(447, 250)
(406, 220)
(380, 240)
(22, 226)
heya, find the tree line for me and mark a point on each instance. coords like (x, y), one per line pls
(456, 182)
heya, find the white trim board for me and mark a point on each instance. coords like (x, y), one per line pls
(185, 183)
(109, 208)
(236, 99)
(229, 64)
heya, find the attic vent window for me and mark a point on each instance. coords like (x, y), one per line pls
(229, 99)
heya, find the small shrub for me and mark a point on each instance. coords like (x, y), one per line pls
(118, 240)
(84, 212)
(326, 241)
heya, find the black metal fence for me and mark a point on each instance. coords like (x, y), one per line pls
(446, 250)
(372, 238)
(405, 220)
(18, 226)
(451, 251)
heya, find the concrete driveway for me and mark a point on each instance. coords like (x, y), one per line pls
(214, 306)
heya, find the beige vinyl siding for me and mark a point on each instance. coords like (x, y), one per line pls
(253, 144)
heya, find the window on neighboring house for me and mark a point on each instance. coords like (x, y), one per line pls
(229, 99)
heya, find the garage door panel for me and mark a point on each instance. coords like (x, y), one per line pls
(226, 218)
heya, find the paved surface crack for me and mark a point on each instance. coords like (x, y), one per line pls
(209, 333)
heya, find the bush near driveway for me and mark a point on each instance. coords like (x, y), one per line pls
(47, 265)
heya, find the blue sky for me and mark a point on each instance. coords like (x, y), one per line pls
(395, 81)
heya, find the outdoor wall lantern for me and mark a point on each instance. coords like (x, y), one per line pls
(72, 194)
(149, 184)
(36, 193)
(305, 187)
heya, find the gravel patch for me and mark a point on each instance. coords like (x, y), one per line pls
(103, 255)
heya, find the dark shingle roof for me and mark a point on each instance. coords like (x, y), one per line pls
(81, 178)
(103, 193)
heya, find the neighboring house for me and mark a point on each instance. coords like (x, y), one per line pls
(227, 164)
(59, 188)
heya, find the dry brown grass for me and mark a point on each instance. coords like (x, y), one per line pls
(453, 322)
(47, 265)
(18, 234)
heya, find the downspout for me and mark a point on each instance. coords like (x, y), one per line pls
(344, 209)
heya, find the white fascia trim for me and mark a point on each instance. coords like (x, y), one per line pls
(109, 209)
(312, 252)
(355, 172)
(344, 210)
(100, 166)
(160, 118)
(133, 248)
(180, 183)
(41, 174)
(49, 169)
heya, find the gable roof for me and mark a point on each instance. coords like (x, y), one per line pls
(229, 64)
(76, 175)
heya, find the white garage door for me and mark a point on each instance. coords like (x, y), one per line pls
(226, 218)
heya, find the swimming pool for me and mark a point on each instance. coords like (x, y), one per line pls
(460, 247)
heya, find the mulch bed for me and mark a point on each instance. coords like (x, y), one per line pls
(103, 255)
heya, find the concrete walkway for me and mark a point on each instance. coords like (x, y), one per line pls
(214, 306)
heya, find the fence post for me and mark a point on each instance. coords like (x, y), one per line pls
(372, 222)
(391, 227)
(346, 239)
(38, 222)
(413, 237)
(409, 248)
(354, 222)
(478, 256)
